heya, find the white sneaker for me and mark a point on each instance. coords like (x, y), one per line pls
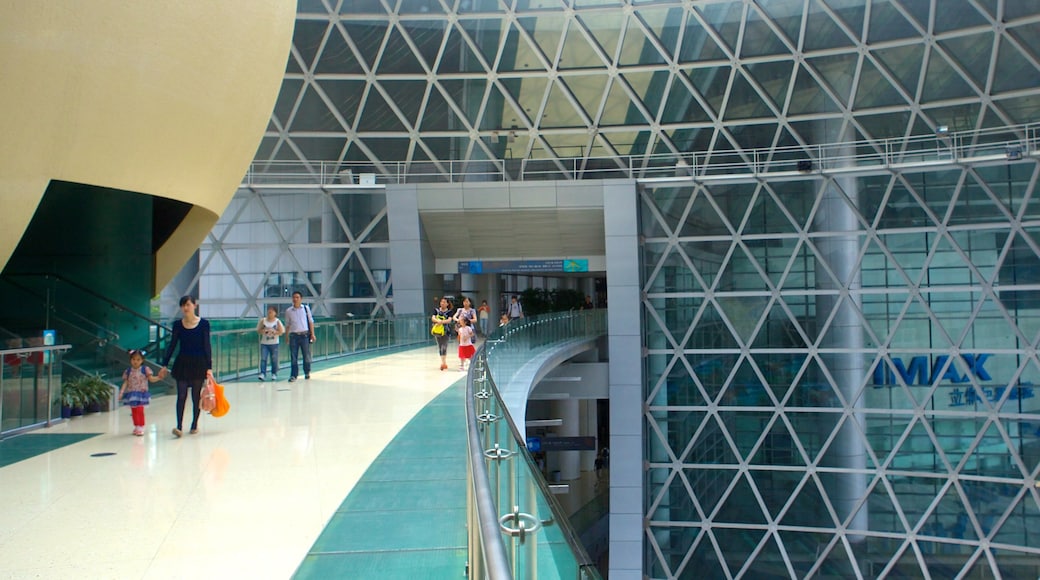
(260, 377)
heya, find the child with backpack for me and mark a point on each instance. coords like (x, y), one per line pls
(134, 392)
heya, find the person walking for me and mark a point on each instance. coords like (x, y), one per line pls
(134, 392)
(515, 310)
(299, 322)
(466, 311)
(270, 330)
(466, 348)
(194, 362)
(441, 320)
(482, 314)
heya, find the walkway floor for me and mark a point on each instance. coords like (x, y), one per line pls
(250, 495)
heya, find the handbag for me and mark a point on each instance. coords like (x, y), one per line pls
(221, 405)
(208, 400)
(438, 329)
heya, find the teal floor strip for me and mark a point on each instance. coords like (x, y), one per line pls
(23, 447)
(406, 517)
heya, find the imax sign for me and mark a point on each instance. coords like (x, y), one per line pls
(920, 370)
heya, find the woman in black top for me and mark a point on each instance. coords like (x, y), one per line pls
(194, 363)
(442, 317)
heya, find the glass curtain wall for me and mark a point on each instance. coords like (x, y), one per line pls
(841, 375)
(330, 244)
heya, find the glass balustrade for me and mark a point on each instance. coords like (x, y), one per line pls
(30, 387)
(517, 529)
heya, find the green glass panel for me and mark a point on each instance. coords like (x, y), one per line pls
(682, 107)
(972, 53)
(546, 32)
(802, 549)
(397, 56)
(744, 101)
(904, 63)
(711, 83)
(559, 112)
(778, 448)
(698, 44)
(740, 507)
(313, 114)
(577, 53)
(725, 18)
(604, 26)
(881, 509)
(637, 48)
(875, 90)
(683, 427)
(822, 32)
(703, 219)
(457, 55)
(808, 98)
(888, 23)
(711, 370)
(740, 273)
(759, 38)
(379, 116)
(812, 388)
(671, 503)
(1013, 70)
(337, 57)
(706, 259)
(408, 96)
(838, 72)
(345, 96)
(780, 331)
(990, 455)
(808, 509)
(943, 82)
(467, 95)
(1022, 527)
(774, 77)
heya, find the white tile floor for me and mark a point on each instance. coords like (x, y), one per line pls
(245, 498)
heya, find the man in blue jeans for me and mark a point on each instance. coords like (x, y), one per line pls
(299, 325)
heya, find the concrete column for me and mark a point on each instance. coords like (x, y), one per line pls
(568, 462)
(627, 496)
(468, 287)
(840, 252)
(409, 252)
(588, 428)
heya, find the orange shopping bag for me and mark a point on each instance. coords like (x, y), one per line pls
(222, 406)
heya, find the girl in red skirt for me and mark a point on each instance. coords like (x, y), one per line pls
(466, 348)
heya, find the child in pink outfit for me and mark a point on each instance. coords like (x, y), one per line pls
(134, 393)
(466, 348)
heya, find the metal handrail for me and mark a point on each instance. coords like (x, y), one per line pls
(494, 555)
(1012, 142)
(496, 562)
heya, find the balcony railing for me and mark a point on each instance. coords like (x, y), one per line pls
(516, 527)
(943, 147)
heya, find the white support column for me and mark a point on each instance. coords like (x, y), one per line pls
(620, 216)
(568, 462)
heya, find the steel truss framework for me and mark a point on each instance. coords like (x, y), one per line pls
(443, 85)
(784, 440)
(330, 244)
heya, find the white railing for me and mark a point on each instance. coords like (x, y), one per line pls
(1011, 142)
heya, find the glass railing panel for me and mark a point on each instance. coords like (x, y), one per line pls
(30, 387)
(237, 352)
(535, 535)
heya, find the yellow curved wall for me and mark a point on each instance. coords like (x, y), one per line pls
(164, 98)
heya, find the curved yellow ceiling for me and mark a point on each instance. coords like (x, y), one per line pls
(164, 98)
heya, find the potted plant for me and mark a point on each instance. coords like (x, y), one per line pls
(71, 399)
(85, 392)
(96, 393)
